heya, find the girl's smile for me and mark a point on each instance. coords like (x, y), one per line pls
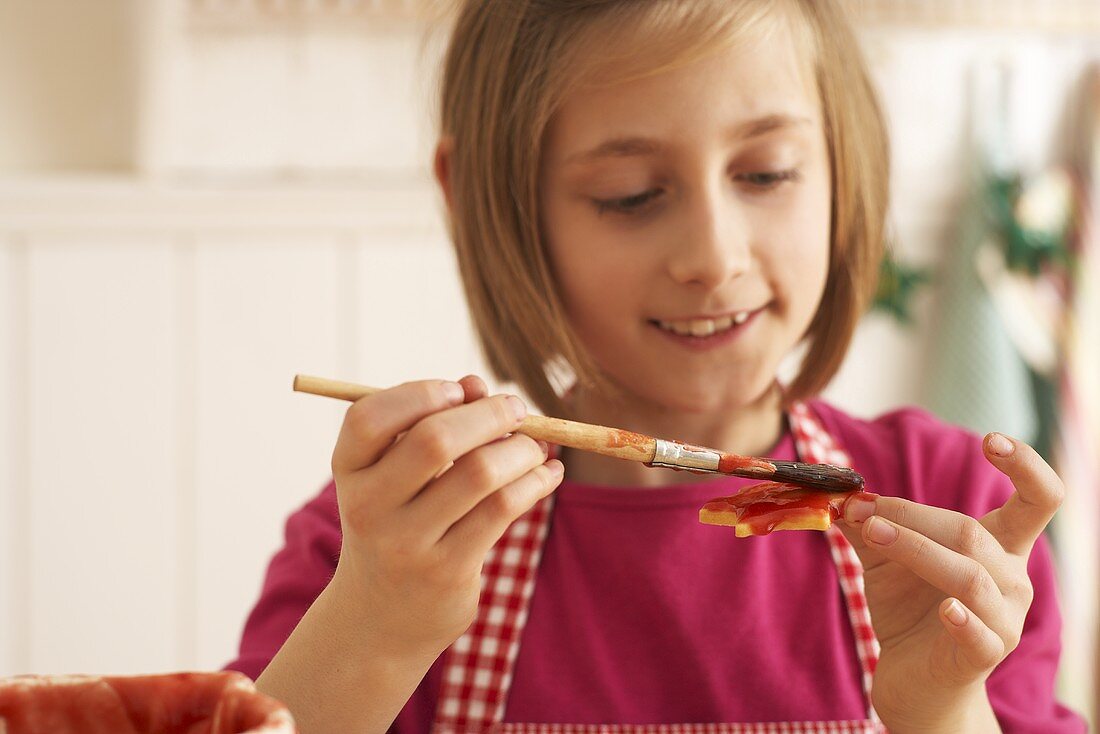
(703, 333)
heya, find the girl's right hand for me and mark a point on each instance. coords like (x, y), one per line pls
(427, 481)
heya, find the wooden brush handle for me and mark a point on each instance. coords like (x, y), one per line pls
(612, 442)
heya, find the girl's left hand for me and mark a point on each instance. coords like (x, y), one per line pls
(948, 594)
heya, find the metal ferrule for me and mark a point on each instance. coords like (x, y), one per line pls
(677, 456)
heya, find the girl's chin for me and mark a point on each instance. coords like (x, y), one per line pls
(714, 403)
(702, 397)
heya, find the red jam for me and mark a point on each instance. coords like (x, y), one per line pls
(729, 462)
(763, 506)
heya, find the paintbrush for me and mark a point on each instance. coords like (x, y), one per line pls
(620, 444)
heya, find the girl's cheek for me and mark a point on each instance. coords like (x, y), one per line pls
(808, 226)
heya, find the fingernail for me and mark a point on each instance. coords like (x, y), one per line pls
(454, 392)
(880, 531)
(999, 445)
(859, 507)
(555, 467)
(955, 613)
(519, 410)
(545, 448)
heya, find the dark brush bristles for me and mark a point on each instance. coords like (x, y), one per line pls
(819, 476)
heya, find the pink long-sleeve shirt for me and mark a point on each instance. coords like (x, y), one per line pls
(643, 615)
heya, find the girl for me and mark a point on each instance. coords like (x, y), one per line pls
(654, 202)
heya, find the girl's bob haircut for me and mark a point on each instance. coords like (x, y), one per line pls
(507, 68)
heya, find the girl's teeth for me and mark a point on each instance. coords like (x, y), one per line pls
(703, 327)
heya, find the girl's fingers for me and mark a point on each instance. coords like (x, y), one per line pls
(474, 477)
(475, 388)
(979, 647)
(961, 533)
(483, 526)
(1039, 493)
(951, 572)
(372, 423)
(437, 440)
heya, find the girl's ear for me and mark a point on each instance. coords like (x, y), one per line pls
(442, 166)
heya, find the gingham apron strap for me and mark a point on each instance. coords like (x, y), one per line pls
(815, 444)
(784, 727)
(477, 670)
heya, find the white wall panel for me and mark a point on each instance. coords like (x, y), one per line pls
(326, 100)
(103, 462)
(14, 536)
(360, 102)
(267, 307)
(413, 319)
(234, 94)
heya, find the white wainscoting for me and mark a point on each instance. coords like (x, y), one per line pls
(14, 416)
(151, 444)
(103, 461)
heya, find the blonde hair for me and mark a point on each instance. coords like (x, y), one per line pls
(508, 66)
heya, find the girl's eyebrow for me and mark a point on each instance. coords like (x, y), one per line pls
(766, 124)
(637, 146)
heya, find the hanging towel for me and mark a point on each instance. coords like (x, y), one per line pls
(976, 377)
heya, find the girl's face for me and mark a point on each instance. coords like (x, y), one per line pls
(687, 216)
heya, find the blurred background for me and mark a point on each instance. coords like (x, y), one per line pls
(201, 198)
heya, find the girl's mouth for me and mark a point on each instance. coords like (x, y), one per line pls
(707, 333)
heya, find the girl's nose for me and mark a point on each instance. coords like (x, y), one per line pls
(713, 246)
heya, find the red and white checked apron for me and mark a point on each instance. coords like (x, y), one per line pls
(477, 672)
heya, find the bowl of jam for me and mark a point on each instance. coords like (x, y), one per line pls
(173, 703)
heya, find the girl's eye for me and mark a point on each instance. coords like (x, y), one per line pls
(766, 181)
(627, 204)
(761, 181)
